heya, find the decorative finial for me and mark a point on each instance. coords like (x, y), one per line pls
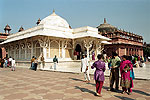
(53, 14)
(53, 11)
(104, 20)
(21, 29)
(38, 22)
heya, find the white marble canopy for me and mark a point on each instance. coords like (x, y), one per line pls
(55, 26)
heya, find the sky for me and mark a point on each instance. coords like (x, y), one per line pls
(130, 15)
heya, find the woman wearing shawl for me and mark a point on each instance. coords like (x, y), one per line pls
(126, 68)
(99, 74)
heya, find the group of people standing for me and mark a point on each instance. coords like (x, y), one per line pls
(122, 63)
(34, 62)
(8, 62)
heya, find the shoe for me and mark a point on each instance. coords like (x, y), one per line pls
(99, 95)
(129, 93)
(84, 81)
(110, 89)
(113, 90)
(123, 92)
(88, 81)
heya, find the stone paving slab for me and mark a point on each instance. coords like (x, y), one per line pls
(25, 84)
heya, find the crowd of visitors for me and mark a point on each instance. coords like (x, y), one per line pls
(8, 62)
(35, 62)
(115, 63)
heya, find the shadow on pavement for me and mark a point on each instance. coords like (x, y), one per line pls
(85, 90)
(104, 87)
(141, 92)
(123, 98)
(75, 79)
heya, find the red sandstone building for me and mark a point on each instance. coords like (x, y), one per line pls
(123, 43)
(3, 36)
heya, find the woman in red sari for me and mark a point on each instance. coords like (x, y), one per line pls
(126, 80)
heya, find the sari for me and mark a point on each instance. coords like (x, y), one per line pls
(125, 68)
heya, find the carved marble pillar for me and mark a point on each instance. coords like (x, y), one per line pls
(88, 44)
(64, 46)
(44, 44)
(59, 49)
(73, 47)
(99, 47)
(25, 50)
(63, 51)
(31, 49)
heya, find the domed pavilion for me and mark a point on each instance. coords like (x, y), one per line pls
(53, 36)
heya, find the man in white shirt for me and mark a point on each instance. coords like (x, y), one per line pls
(85, 68)
(13, 64)
(10, 61)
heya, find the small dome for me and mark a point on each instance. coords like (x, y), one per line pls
(7, 27)
(38, 22)
(21, 29)
(54, 20)
(107, 27)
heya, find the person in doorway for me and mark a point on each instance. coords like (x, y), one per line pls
(13, 64)
(42, 61)
(93, 55)
(55, 61)
(35, 63)
(2, 63)
(126, 70)
(99, 74)
(114, 72)
(85, 68)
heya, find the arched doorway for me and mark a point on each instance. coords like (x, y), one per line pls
(78, 51)
(0, 53)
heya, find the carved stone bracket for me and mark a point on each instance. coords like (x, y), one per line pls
(65, 44)
(43, 42)
(100, 47)
(29, 45)
(22, 45)
(88, 43)
(17, 46)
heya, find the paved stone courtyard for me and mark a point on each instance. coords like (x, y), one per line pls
(25, 84)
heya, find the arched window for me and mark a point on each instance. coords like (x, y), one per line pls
(54, 49)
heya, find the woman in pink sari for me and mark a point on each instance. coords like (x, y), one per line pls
(126, 80)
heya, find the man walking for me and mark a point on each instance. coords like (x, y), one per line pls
(114, 74)
(85, 68)
(55, 61)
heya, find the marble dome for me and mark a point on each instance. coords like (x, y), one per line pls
(55, 20)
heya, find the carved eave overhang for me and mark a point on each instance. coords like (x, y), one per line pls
(88, 32)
